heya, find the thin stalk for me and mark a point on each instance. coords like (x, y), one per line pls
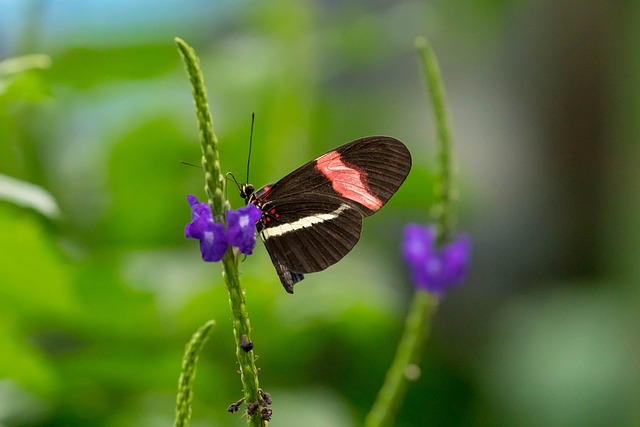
(424, 305)
(188, 374)
(214, 187)
(444, 191)
(213, 180)
(404, 367)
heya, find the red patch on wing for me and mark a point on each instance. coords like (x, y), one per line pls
(348, 182)
(261, 193)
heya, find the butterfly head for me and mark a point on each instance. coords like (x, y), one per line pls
(246, 192)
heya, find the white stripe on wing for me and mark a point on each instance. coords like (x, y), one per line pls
(305, 222)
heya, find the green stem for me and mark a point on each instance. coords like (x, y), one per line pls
(214, 187)
(242, 326)
(214, 181)
(417, 325)
(404, 366)
(188, 374)
(444, 192)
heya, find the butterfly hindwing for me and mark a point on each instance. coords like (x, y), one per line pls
(310, 234)
(313, 232)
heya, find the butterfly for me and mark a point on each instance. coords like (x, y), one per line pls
(312, 217)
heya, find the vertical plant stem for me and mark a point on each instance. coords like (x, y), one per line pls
(214, 187)
(214, 181)
(242, 326)
(444, 192)
(404, 366)
(188, 374)
(418, 322)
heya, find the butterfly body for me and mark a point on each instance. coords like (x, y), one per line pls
(312, 217)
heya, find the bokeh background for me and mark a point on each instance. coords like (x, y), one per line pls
(99, 291)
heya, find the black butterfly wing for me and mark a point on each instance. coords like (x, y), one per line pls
(313, 216)
(364, 170)
(313, 231)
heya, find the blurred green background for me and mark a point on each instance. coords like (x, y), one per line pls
(99, 291)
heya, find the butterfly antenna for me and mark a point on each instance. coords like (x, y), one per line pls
(230, 176)
(253, 118)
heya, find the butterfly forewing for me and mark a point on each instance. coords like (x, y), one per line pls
(375, 165)
(385, 163)
(312, 217)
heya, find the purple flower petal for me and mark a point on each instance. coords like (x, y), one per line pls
(212, 236)
(241, 225)
(418, 243)
(456, 257)
(213, 243)
(435, 269)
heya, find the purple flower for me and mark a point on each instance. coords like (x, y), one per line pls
(212, 236)
(435, 269)
(241, 224)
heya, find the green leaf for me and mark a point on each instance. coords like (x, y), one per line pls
(28, 195)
